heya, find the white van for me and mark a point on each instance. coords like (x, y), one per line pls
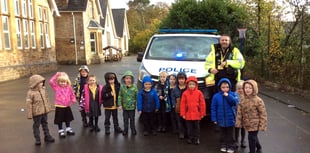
(184, 51)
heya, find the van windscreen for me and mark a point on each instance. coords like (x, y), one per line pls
(185, 48)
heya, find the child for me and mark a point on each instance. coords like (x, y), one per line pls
(176, 96)
(192, 109)
(223, 113)
(252, 115)
(239, 92)
(109, 95)
(127, 100)
(91, 101)
(148, 104)
(170, 86)
(64, 97)
(78, 86)
(38, 106)
(161, 89)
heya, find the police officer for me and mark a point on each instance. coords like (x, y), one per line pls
(224, 61)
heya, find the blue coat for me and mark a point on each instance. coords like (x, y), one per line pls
(223, 108)
(148, 101)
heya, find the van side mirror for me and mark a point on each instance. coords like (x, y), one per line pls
(140, 56)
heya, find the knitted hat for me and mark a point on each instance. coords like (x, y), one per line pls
(84, 67)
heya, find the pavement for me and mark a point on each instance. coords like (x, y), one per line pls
(291, 100)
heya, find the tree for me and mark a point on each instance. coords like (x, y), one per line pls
(143, 21)
(222, 15)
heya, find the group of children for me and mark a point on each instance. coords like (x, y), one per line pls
(175, 100)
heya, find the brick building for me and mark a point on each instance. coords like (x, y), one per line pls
(27, 43)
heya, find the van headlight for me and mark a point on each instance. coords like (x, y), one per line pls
(143, 72)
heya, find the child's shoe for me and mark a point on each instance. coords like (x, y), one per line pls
(259, 151)
(230, 150)
(197, 142)
(118, 130)
(61, 133)
(107, 131)
(189, 141)
(134, 132)
(125, 132)
(69, 131)
(49, 138)
(242, 145)
(223, 149)
(145, 133)
(37, 142)
(181, 136)
(154, 133)
(97, 129)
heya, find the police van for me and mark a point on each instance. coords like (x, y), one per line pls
(177, 50)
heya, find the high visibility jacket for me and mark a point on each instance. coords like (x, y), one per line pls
(236, 62)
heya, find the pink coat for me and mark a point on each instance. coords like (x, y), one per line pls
(87, 97)
(64, 96)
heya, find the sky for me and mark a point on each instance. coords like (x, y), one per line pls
(122, 3)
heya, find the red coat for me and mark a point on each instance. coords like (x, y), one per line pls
(193, 105)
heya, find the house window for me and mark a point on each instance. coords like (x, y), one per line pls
(32, 34)
(19, 34)
(93, 42)
(47, 38)
(44, 28)
(4, 6)
(17, 9)
(30, 6)
(40, 13)
(6, 32)
(24, 8)
(42, 35)
(26, 34)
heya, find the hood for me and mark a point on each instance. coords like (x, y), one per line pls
(146, 79)
(107, 75)
(223, 80)
(35, 79)
(84, 67)
(192, 78)
(128, 73)
(254, 85)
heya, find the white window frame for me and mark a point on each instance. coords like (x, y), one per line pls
(32, 35)
(24, 8)
(47, 38)
(40, 13)
(93, 41)
(4, 6)
(17, 8)
(6, 32)
(45, 18)
(30, 8)
(26, 33)
(19, 36)
(42, 35)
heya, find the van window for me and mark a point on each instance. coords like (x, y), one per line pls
(185, 48)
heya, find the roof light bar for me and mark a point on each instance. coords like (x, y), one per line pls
(187, 31)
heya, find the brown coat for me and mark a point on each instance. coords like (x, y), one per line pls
(37, 99)
(251, 113)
